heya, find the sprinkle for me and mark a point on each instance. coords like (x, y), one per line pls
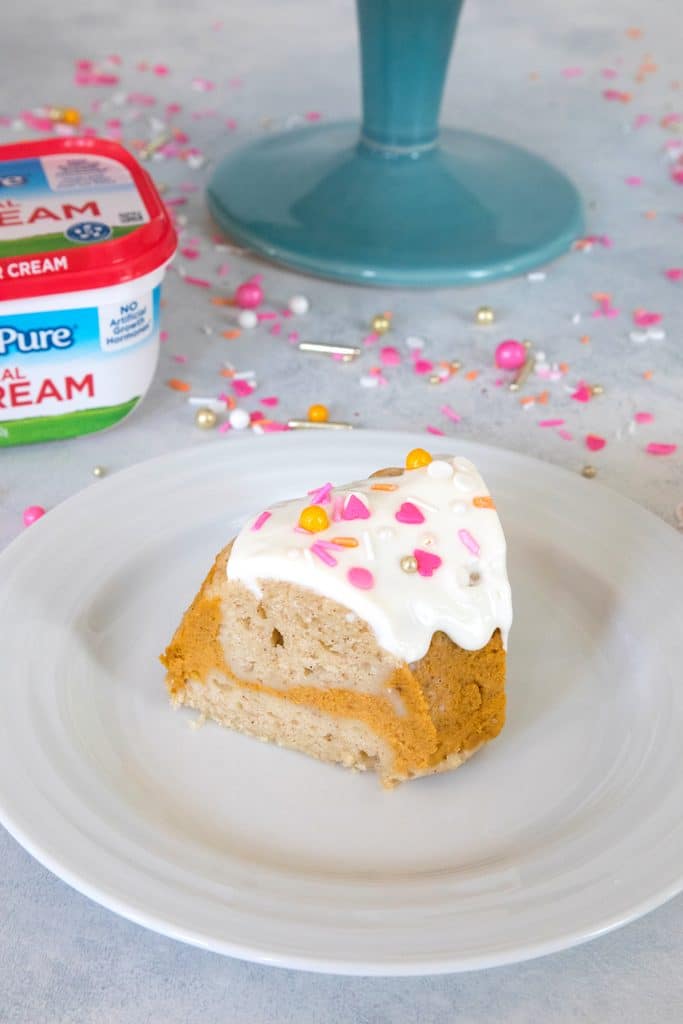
(261, 520)
(423, 366)
(344, 542)
(472, 375)
(32, 514)
(314, 519)
(384, 487)
(643, 417)
(354, 508)
(231, 335)
(633, 180)
(321, 495)
(550, 423)
(483, 501)
(450, 413)
(660, 449)
(320, 552)
(270, 401)
(409, 514)
(435, 430)
(361, 578)
(582, 394)
(427, 562)
(242, 388)
(643, 318)
(468, 540)
(674, 273)
(367, 544)
(594, 443)
(178, 385)
(198, 282)
(390, 356)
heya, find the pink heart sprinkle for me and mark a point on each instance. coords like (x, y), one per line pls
(423, 366)
(427, 563)
(646, 319)
(361, 578)
(674, 273)
(410, 514)
(643, 417)
(354, 508)
(582, 393)
(469, 541)
(660, 449)
(390, 356)
(595, 443)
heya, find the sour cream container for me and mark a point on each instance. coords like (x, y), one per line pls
(84, 243)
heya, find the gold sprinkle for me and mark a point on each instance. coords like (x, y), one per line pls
(381, 323)
(434, 378)
(409, 563)
(98, 471)
(597, 389)
(589, 472)
(384, 487)
(205, 418)
(484, 315)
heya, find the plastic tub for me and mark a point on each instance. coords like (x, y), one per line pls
(84, 243)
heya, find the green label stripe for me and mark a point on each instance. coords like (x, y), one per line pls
(68, 424)
(49, 243)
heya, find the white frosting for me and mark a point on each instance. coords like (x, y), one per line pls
(467, 596)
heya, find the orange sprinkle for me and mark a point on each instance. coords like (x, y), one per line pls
(383, 487)
(602, 296)
(634, 33)
(345, 542)
(221, 300)
(178, 385)
(564, 367)
(227, 373)
(231, 403)
(650, 214)
(472, 375)
(483, 501)
(543, 397)
(527, 400)
(231, 335)
(584, 339)
(648, 374)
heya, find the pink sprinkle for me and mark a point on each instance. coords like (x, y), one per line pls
(189, 252)
(550, 423)
(409, 514)
(609, 73)
(390, 356)
(370, 339)
(660, 449)
(423, 366)
(572, 72)
(354, 508)
(271, 427)
(674, 273)
(633, 180)
(320, 495)
(160, 69)
(435, 430)
(582, 393)
(565, 435)
(32, 514)
(361, 578)
(242, 388)
(643, 318)
(594, 443)
(261, 520)
(427, 562)
(293, 336)
(223, 269)
(337, 506)
(270, 401)
(615, 94)
(256, 416)
(198, 282)
(451, 414)
(313, 115)
(643, 417)
(468, 540)
(276, 328)
(640, 120)
(320, 552)
(179, 359)
(163, 336)
(266, 316)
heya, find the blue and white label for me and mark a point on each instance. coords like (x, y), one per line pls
(87, 231)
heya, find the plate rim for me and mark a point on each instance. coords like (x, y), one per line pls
(215, 452)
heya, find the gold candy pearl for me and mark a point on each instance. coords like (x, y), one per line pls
(589, 472)
(597, 389)
(380, 323)
(455, 365)
(434, 378)
(98, 471)
(409, 563)
(484, 315)
(205, 418)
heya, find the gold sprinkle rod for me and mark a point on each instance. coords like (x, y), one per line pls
(349, 351)
(317, 425)
(522, 374)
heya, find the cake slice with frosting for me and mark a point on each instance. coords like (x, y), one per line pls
(364, 624)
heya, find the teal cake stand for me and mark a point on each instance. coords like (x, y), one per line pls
(393, 202)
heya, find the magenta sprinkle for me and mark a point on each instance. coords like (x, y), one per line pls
(660, 449)
(409, 514)
(320, 495)
(427, 562)
(320, 552)
(361, 578)
(550, 423)
(261, 520)
(643, 417)
(354, 508)
(468, 540)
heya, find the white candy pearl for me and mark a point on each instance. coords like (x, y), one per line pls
(299, 305)
(439, 469)
(239, 419)
(247, 318)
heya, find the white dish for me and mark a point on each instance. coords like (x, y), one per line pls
(568, 825)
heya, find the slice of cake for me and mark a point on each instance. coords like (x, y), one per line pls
(363, 624)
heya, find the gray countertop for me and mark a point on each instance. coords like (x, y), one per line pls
(533, 72)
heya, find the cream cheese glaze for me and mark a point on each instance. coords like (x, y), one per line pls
(409, 554)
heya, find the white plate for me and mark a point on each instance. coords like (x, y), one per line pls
(568, 825)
